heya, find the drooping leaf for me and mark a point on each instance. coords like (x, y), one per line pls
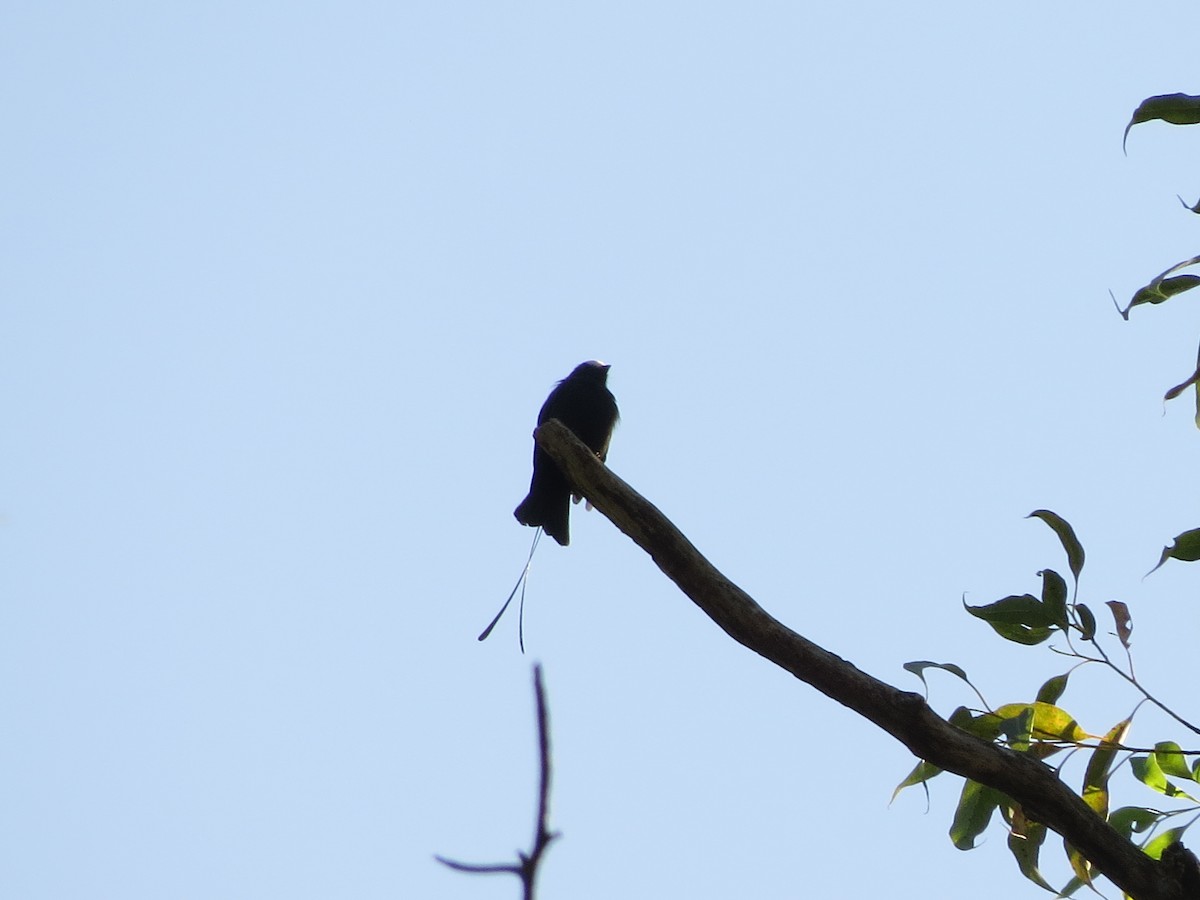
(1053, 688)
(1130, 819)
(919, 775)
(1087, 621)
(1164, 286)
(1079, 865)
(1122, 620)
(918, 667)
(1147, 770)
(976, 805)
(1095, 776)
(1171, 760)
(1054, 596)
(1071, 886)
(1066, 536)
(1177, 109)
(1025, 839)
(1185, 548)
(1161, 291)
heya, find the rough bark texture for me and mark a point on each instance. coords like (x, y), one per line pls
(902, 714)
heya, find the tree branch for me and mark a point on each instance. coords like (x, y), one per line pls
(527, 867)
(902, 714)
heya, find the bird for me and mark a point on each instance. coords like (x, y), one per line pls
(583, 403)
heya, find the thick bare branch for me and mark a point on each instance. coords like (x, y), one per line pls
(902, 714)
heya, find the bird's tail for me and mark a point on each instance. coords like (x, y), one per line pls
(553, 517)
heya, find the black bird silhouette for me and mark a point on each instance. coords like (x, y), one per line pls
(583, 403)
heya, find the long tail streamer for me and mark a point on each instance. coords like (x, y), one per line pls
(521, 582)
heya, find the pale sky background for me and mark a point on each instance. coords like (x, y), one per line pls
(284, 285)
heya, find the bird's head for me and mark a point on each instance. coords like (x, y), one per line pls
(593, 370)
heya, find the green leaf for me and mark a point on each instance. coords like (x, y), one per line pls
(1066, 536)
(1054, 597)
(1021, 634)
(1016, 609)
(1177, 109)
(1053, 688)
(1079, 864)
(1071, 886)
(918, 667)
(919, 775)
(1171, 760)
(1095, 777)
(1161, 842)
(986, 726)
(1049, 723)
(1122, 620)
(1020, 618)
(1147, 770)
(1160, 291)
(1087, 622)
(960, 718)
(1129, 819)
(1164, 286)
(1185, 548)
(1025, 839)
(975, 807)
(1018, 728)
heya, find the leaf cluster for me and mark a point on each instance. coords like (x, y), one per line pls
(1176, 109)
(1042, 728)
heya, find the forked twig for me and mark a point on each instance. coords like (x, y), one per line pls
(527, 867)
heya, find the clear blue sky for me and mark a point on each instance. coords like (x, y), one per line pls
(283, 286)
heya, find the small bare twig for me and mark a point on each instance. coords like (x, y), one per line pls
(527, 867)
(1145, 693)
(1104, 660)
